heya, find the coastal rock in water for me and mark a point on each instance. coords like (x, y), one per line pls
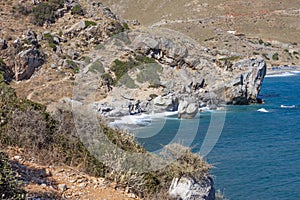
(187, 110)
(245, 85)
(187, 188)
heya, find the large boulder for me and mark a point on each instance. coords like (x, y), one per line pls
(187, 109)
(187, 188)
(26, 62)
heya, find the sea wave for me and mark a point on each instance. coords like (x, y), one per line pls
(262, 110)
(141, 120)
(284, 106)
(284, 74)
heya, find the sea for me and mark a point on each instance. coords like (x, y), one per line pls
(254, 149)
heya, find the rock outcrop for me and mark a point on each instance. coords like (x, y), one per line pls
(187, 110)
(187, 188)
(245, 89)
(26, 62)
(188, 78)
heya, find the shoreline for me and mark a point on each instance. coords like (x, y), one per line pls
(280, 71)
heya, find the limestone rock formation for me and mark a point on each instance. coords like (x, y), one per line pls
(187, 110)
(188, 77)
(244, 87)
(26, 62)
(187, 188)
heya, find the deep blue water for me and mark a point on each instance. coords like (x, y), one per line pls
(257, 155)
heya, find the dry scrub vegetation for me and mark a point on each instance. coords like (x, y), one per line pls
(52, 140)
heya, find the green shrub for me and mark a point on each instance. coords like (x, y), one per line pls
(275, 56)
(231, 58)
(1, 61)
(45, 11)
(117, 28)
(90, 23)
(260, 41)
(96, 67)
(73, 66)
(144, 59)
(120, 68)
(72, 63)
(10, 187)
(255, 53)
(125, 26)
(49, 38)
(77, 10)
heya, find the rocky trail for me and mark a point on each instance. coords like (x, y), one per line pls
(62, 182)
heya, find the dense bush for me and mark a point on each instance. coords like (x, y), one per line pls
(10, 187)
(29, 126)
(45, 11)
(90, 23)
(77, 10)
(120, 68)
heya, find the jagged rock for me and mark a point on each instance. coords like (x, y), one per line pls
(73, 54)
(165, 103)
(187, 109)
(61, 12)
(71, 3)
(244, 87)
(75, 29)
(187, 188)
(62, 187)
(26, 62)
(56, 40)
(197, 79)
(31, 37)
(3, 44)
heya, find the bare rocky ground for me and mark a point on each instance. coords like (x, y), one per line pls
(62, 182)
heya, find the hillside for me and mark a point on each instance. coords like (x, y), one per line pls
(255, 28)
(67, 67)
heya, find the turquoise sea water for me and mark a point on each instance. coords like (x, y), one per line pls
(258, 153)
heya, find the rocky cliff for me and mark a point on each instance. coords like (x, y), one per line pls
(165, 71)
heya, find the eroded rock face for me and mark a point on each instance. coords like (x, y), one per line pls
(187, 188)
(187, 110)
(188, 78)
(26, 62)
(245, 85)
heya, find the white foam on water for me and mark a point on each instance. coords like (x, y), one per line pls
(262, 110)
(284, 106)
(284, 74)
(142, 119)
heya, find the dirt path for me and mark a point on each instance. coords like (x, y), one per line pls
(63, 182)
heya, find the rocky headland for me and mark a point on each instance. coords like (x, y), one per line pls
(79, 52)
